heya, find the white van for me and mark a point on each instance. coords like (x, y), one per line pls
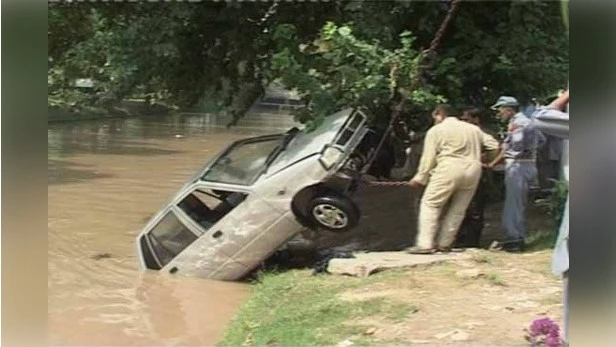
(254, 196)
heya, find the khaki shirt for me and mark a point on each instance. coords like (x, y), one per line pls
(452, 139)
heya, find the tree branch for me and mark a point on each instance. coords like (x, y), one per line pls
(426, 54)
(438, 37)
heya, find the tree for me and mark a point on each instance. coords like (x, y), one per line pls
(336, 53)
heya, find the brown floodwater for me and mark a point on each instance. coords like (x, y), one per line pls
(105, 180)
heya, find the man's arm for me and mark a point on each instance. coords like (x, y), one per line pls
(551, 120)
(428, 159)
(489, 144)
(514, 142)
(561, 102)
(503, 148)
(499, 157)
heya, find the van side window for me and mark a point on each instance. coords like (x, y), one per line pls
(207, 207)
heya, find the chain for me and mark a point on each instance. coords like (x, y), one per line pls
(385, 183)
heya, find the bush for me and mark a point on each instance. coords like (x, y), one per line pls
(554, 204)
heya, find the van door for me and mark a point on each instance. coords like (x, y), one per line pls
(224, 222)
(208, 213)
(190, 221)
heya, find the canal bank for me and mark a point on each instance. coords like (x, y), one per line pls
(124, 109)
(107, 177)
(476, 298)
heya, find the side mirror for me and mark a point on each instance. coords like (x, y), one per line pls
(330, 156)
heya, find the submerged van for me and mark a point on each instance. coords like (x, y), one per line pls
(254, 196)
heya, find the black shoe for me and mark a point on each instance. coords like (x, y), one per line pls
(508, 246)
(513, 247)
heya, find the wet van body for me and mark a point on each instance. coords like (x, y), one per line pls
(253, 197)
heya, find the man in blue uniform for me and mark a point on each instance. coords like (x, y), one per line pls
(551, 120)
(519, 150)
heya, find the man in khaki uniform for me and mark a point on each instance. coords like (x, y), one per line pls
(450, 168)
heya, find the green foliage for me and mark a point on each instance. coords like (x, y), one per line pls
(513, 48)
(541, 239)
(337, 70)
(337, 54)
(565, 11)
(173, 51)
(554, 204)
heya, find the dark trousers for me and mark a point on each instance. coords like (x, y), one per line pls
(469, 234)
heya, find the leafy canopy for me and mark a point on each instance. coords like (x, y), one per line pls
(336, 53)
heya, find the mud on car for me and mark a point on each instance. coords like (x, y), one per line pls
(257, 194)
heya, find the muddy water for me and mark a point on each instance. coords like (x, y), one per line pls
(105, 179)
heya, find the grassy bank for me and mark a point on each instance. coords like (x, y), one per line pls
(56, 114)
(125, 109)
(488, 298)
(294, 308)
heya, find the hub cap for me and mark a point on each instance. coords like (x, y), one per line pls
(330, 216)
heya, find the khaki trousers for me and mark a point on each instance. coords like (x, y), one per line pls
(451, 188)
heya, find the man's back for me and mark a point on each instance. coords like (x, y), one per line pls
(451, 140)
(457, 139)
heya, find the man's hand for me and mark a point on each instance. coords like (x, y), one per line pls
(415, 184)
(495, 161)
(561, 102)
(512, 127)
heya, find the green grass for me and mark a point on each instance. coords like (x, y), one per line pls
(483, 258)
(539, 240)
(296, 309)
(496, 279)
(398, 312)
(551, 300)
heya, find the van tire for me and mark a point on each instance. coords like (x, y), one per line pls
(333, 213)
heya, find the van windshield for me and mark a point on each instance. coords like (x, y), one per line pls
(244, 162)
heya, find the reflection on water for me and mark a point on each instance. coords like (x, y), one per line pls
(135, 135)
(106, 178)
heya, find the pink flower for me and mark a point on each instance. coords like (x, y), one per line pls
(552, 341)
(545, 330)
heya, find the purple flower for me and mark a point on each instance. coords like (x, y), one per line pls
(552, 341)
(554, 332)
(545, 330)
(542, 326)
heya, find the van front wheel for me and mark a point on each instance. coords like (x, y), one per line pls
(333, 213)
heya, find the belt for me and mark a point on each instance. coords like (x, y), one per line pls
(528, 156)
(521, 160)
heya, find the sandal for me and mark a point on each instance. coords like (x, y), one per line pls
(418, 250)
(450, 249)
